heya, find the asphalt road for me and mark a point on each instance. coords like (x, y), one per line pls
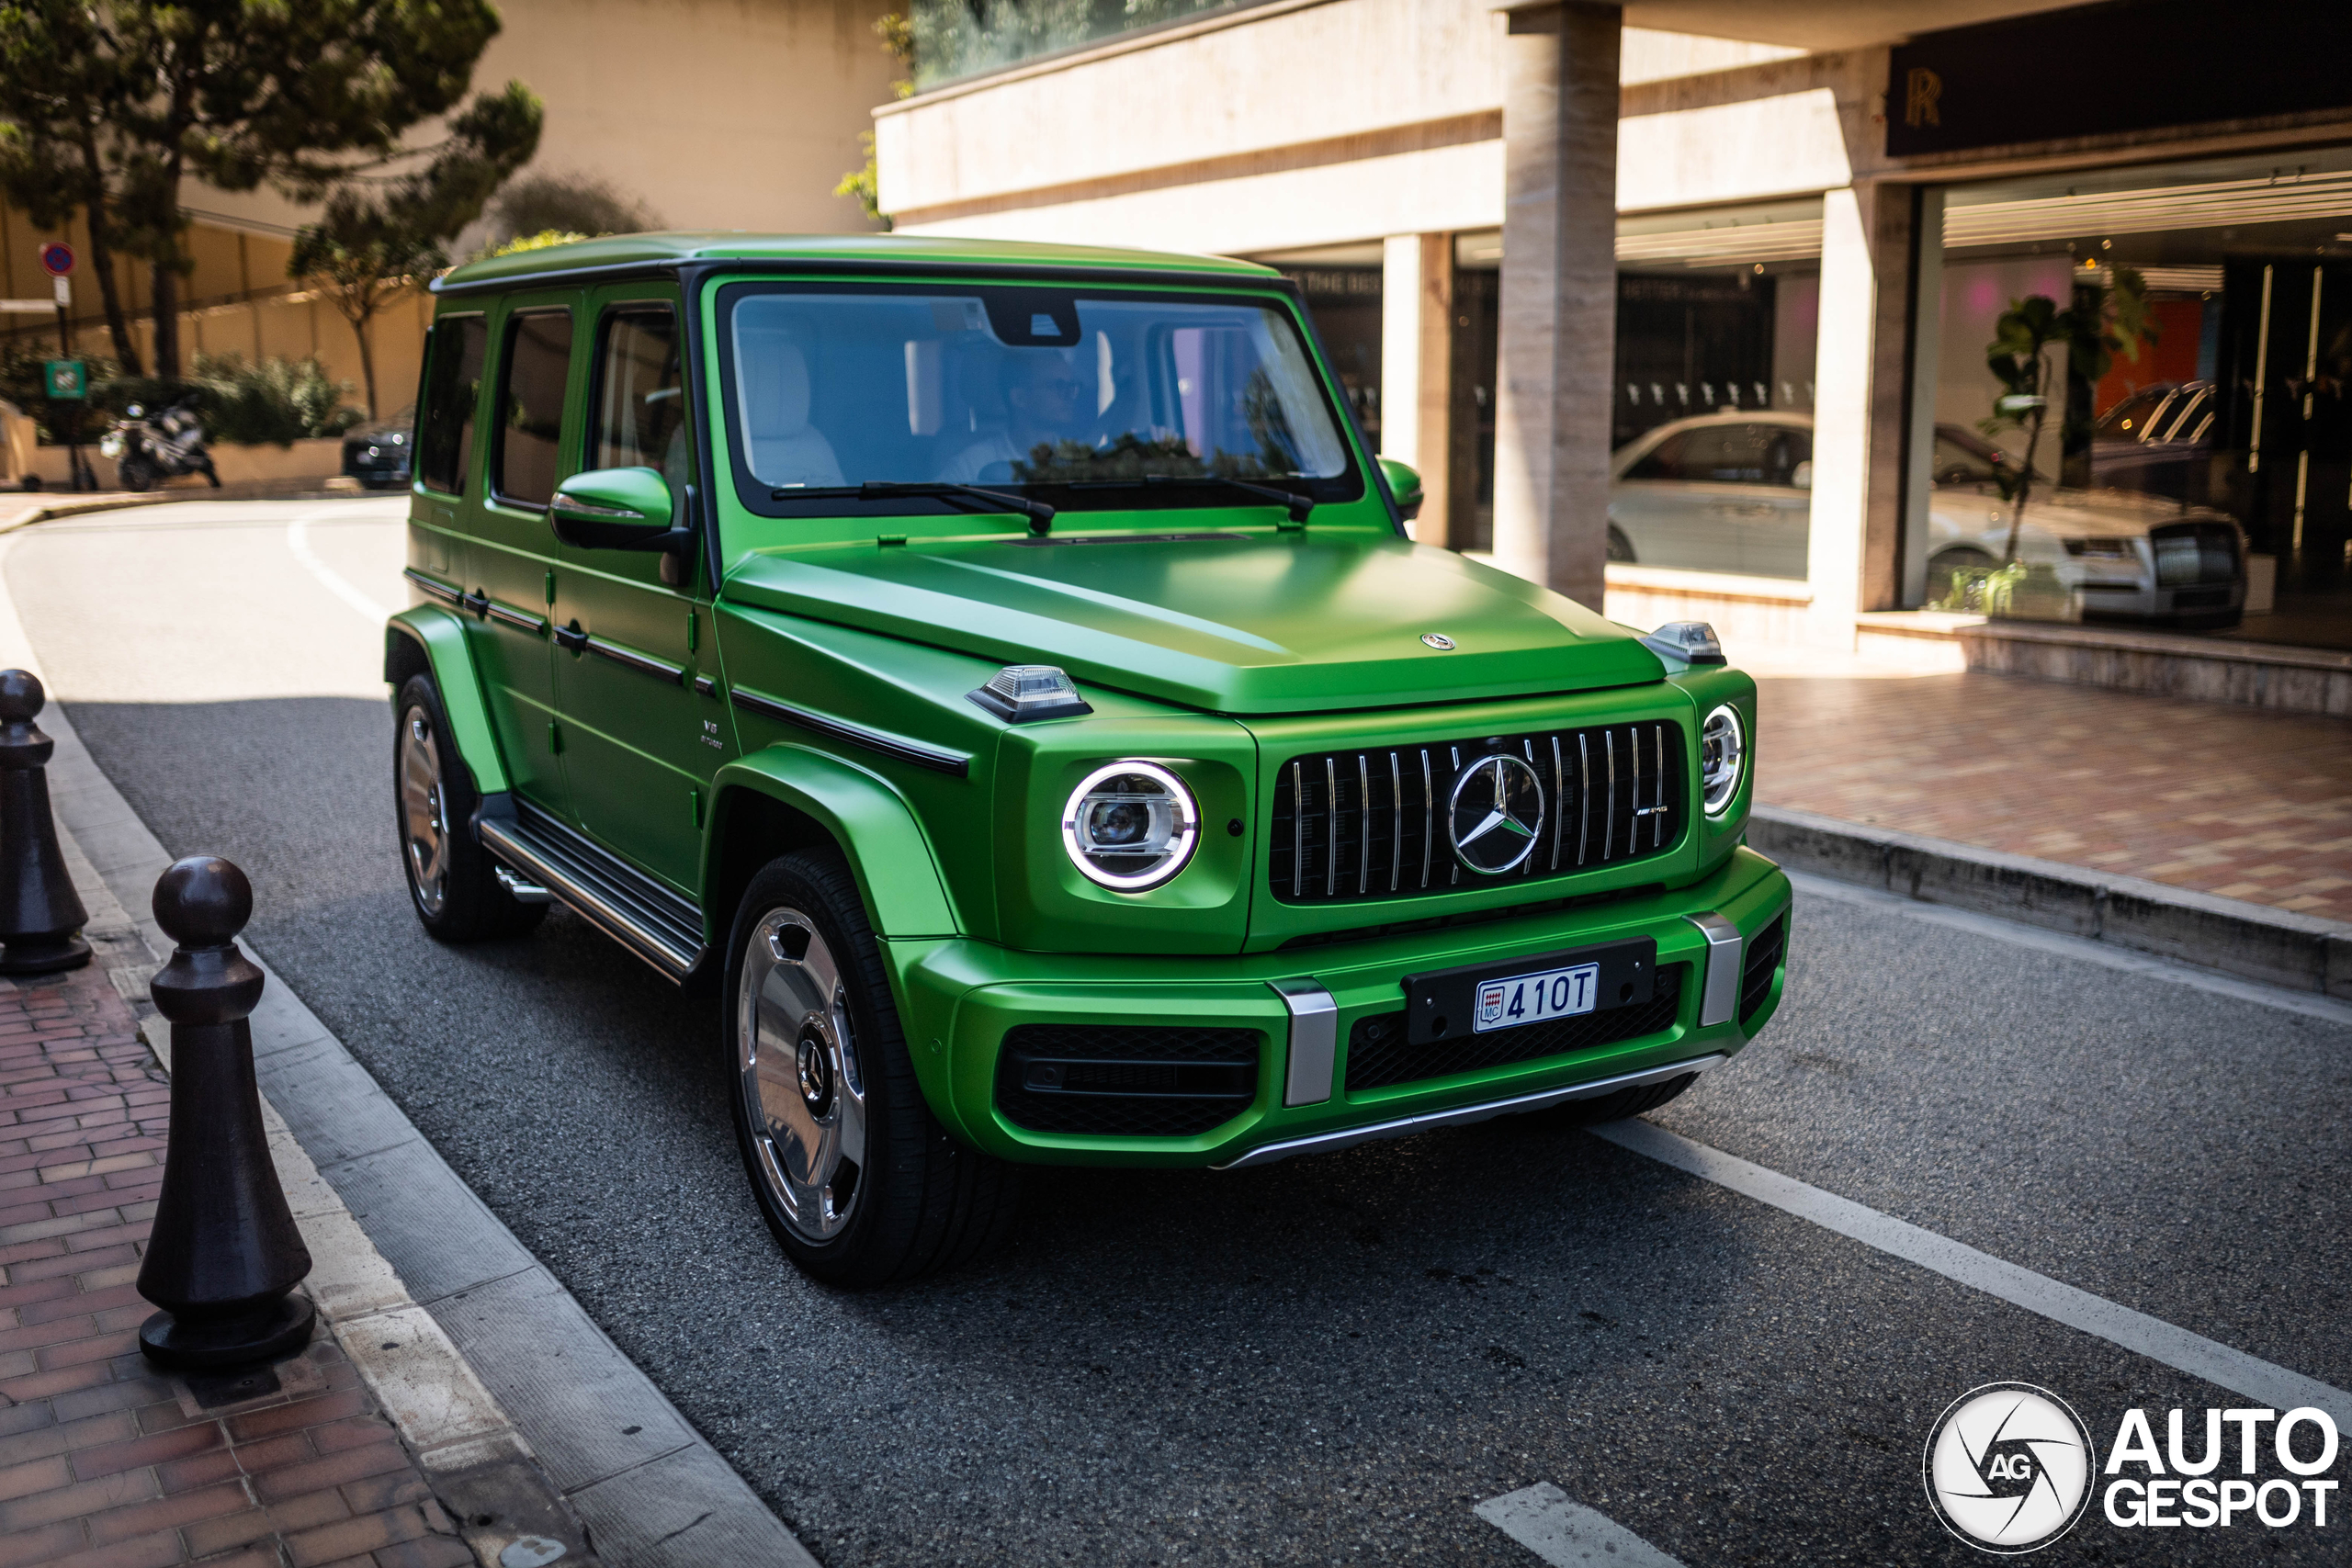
(1328, 1360)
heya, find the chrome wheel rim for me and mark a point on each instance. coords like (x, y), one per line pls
(424, 812)
(803, 1095)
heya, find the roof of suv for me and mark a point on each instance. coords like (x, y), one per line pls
(662, 252)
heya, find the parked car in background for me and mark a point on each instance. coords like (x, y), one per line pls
(1731, 492)
(2160, 440)
(379, 453)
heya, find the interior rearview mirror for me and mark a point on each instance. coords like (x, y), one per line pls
(614, 509)
(1403, 484)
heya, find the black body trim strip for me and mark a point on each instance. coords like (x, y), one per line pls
(447, 593)
(674, 673)
(957, 764)
(522, 620)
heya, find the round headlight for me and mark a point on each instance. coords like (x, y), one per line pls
(1722, 752)
(1130, 826)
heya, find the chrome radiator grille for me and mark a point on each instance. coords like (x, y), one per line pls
(1373, 824)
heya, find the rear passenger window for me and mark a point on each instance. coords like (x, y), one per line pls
(530, 403)
(640, 414)
(444, 437)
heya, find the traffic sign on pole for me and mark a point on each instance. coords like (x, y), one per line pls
(66, 379)
(57, 258)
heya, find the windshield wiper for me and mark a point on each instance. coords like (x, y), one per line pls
(1040, 516)
(1297, 505)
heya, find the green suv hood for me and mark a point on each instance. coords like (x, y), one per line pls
(1232, 623)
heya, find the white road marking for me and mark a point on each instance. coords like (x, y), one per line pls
(2259, 1381)
(2310, 1004)
(298, 540)
(1567, 1534)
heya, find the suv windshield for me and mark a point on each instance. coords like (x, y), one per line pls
(1016, 387)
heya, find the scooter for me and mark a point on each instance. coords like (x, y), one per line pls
(145, 450)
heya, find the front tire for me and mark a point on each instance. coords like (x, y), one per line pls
(134, 475)
(858, 1180)
(452, 881)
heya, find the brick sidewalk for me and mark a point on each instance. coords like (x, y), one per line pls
(106, 1462)
(2236, 801)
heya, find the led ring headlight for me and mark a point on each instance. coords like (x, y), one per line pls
(1723, 755)
(1130, 826)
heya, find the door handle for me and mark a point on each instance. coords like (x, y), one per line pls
(570, 638)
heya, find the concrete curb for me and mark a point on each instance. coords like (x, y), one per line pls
(2277, 947)
(494, 1372)
(70, 505)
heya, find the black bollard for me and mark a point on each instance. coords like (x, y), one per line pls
(41, 915)
(225, 1255)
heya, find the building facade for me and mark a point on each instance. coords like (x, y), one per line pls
(703, 113)
(1734, 269)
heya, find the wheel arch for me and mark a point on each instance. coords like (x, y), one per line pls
(427, 640)
(784, 798)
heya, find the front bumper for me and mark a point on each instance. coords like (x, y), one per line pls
(958, 999)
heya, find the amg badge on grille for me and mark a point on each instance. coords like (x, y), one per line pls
(1496, 814)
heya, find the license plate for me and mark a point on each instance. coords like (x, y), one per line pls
(1453, 1004)
(1531, 998)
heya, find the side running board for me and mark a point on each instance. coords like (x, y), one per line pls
(642, 915)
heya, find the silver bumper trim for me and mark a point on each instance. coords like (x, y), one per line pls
(1719, 997)
(1324, 1143)
(1314, 1041)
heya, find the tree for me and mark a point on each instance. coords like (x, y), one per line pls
(863, 186)
(570, 204)
(377, 236)
(55, 77)
(237, 93)
(2100, 325)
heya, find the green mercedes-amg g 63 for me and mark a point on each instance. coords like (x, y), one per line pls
(1004, 672)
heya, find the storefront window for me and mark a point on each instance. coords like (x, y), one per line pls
(1718, 316)
(2201, 479)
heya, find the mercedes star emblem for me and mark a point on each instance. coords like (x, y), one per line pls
(1438, 640)
(1496, 814)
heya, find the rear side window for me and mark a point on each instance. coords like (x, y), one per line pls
(640, 410)
(445, 438)
(530, 403)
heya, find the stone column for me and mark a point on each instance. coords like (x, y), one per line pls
(1559, 295)
(1927, 353)
(1417, 368)
(1859, 432)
